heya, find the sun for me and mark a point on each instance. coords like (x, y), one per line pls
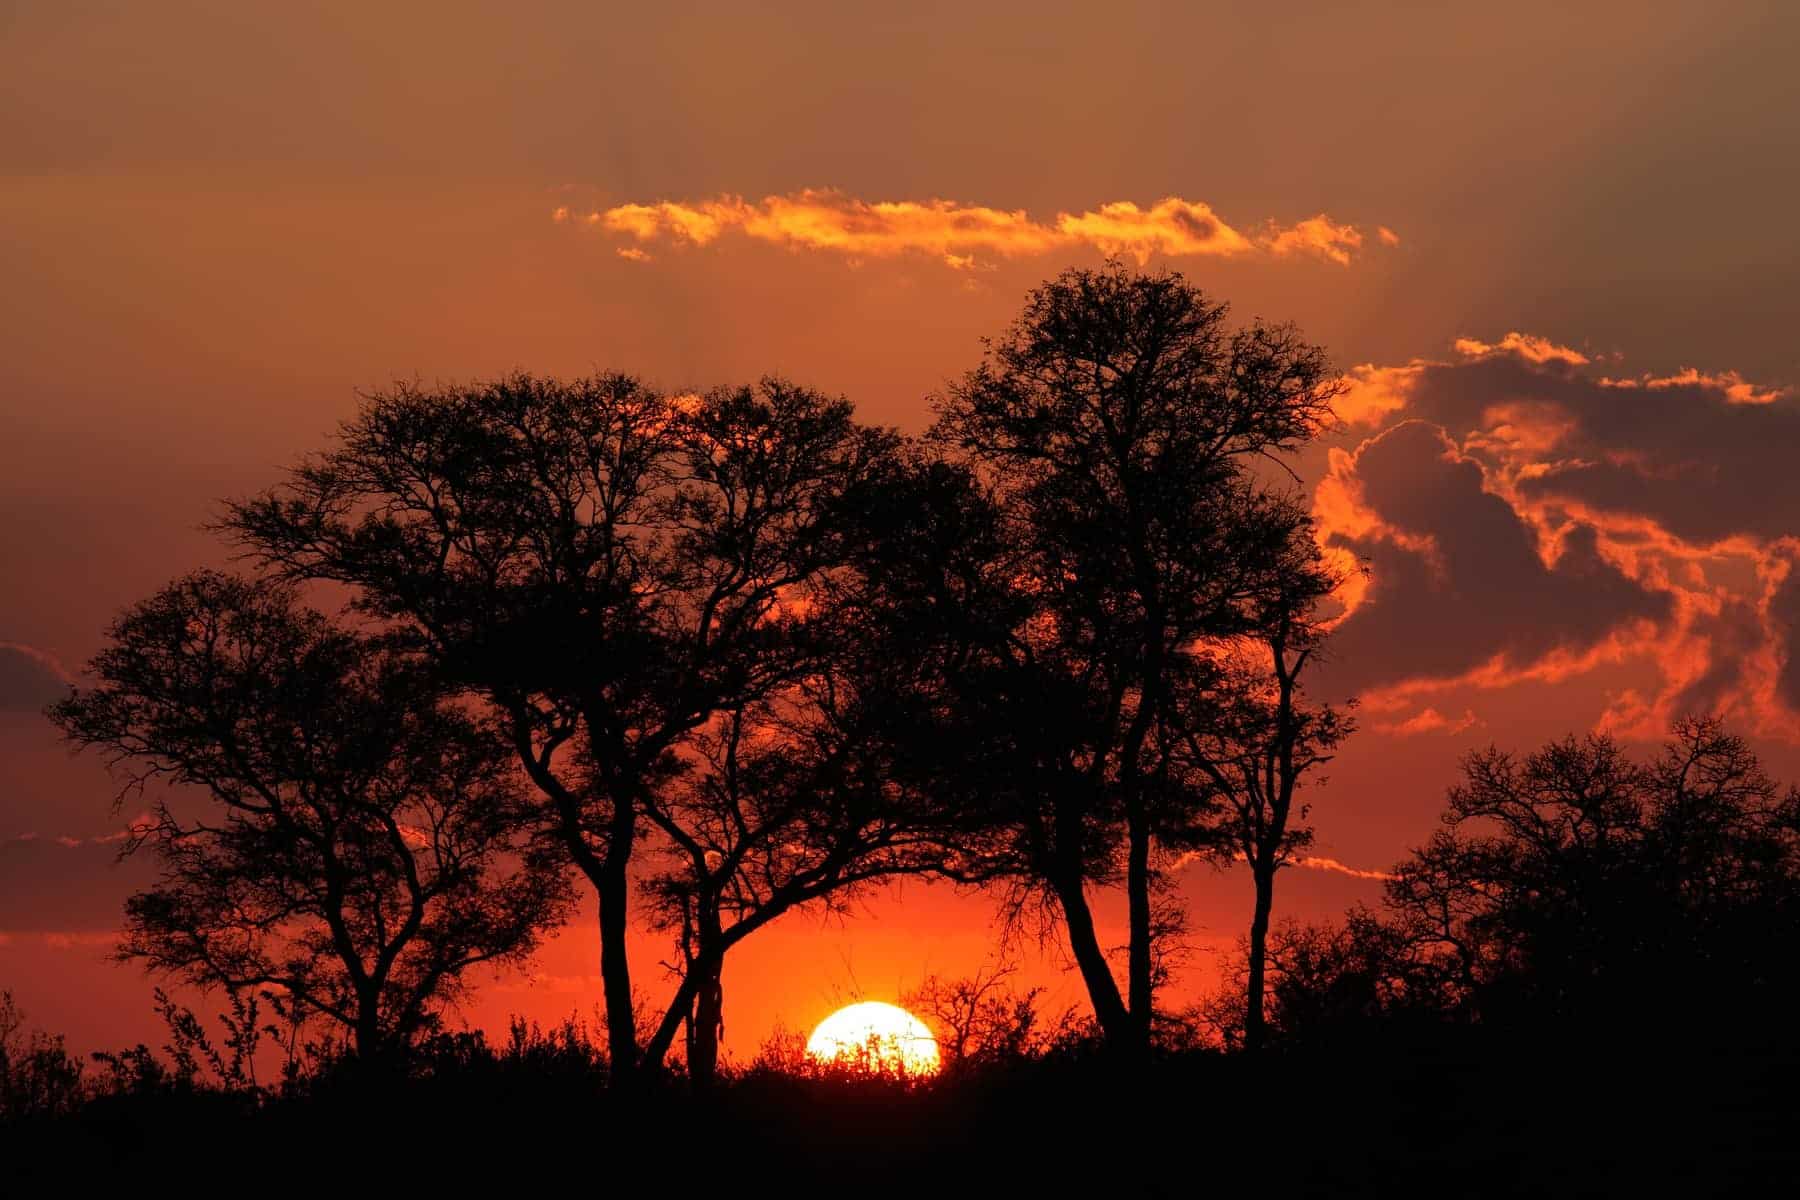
(876, 1036)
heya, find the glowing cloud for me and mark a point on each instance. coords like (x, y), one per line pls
(1318, 863)
(1430, 720)
(1734, 386)
(1524, 518)
(1523, 345)
(956, 234)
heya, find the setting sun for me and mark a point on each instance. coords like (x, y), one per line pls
(879, 1036)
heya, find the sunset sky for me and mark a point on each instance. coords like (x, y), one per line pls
(1553, 248)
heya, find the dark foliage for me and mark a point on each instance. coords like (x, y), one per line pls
(1581, 894)
(1119, 423)
(1446, 1110)
(336, 832)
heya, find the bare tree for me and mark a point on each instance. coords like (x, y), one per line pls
(358, 842)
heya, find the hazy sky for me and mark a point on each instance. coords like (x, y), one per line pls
(218, 221)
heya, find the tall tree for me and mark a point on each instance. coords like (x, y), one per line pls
(612, 567)
(1118, 422)
(361, 842)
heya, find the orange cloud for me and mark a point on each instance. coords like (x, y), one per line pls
(1318, 235)
(955, 233)
(1371, 394)
(1605, 489)
(1429, 720)
(1524, 345)
(1172, 226)
(1319, 863)
(1735, 387)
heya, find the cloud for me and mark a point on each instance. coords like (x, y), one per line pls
(961, 235)
(1318, 235)
(1429, 720)
(1733, 386)
(1705, 456)
(49, 882)
(1783, 612)
(29, 678)
(1460, 583)
(1318, 863)
(1523, 345)
(1515, 488)
(60, 940)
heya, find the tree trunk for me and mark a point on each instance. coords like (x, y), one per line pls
(612, 888)
(368, 1035)
(1103, 989)
(1254, 1028)
(1140, 975)
(708, 1025)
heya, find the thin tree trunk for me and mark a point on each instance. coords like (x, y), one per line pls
(1255, 1030)
(613, 887)
(1141, 975)
(1103, 989)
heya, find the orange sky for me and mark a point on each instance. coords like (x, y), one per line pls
(1555, 248)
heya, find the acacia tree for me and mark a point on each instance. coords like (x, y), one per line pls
(815, 792)
(776, 816)
(1578, 889)
(361, 843)
(1242, 741)
(611, 567)
(1117, 422)
(1576, 882)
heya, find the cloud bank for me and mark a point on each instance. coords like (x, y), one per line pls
(963, 236)
(1525, 516)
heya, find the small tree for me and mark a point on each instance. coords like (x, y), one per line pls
(359, 843)
(981, 1019)
(1242, 743)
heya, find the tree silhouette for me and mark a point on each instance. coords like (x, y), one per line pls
(1117, 422)
(361, 843)
(817, 790)
(1244, 739)
(616, 570)
(1579, 891)
(981, 1020)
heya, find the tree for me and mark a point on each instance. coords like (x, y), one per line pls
(815, 792)
(361, 843)
(1243, 740)
(981, 1020)
(1577, 890)
(1117, 422)
(614, 569)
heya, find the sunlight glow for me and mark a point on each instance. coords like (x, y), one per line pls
(876, 1036)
